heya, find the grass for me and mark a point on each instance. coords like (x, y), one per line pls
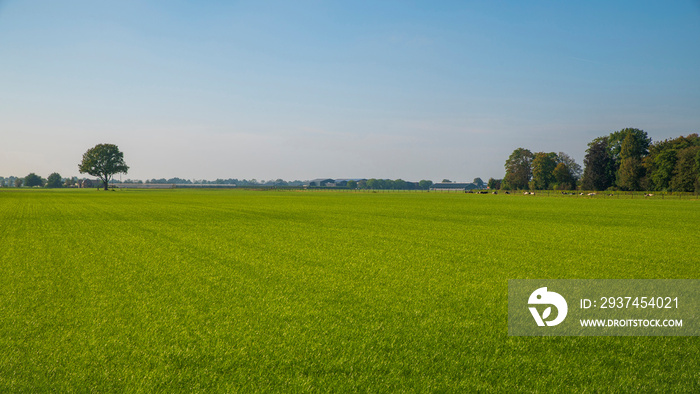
(220, 290)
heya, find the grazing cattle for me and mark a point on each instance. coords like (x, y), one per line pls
(483, 192)
(494, 193)
(591, 194)
(580, 194)
(648, 195)
(507, 192)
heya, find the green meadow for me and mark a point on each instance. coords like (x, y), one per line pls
(270, 291)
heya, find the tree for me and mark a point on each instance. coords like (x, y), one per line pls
(630, 171)
(33, 180)
(571, 164)
(660, 168)
(518, 170)
(638, 146)
(598, 172)
(687, 170)
(543, 166)
(103, 161)
(399, 184)
(425, 184)
(18, 182)
(662, 158)
(567, 172)
(373, 183)
(564, 178)
(494, 184)
(630, 174)
(54, 181)
(352, 184)
(446, 181)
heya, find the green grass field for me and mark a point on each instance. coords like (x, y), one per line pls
(182, 290)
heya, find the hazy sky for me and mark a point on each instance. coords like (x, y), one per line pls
(305, 89)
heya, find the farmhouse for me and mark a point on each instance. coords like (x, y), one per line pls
(450, 186)
(322, 182)
(88, 183)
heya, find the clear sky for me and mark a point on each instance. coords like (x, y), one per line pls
(347, 89)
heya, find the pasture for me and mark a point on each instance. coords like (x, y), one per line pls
(229, 290)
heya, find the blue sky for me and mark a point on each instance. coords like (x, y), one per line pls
(306, 89)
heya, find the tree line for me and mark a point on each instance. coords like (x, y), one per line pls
(539, 171)
(220, 181)
(624, 160)
(33, 180)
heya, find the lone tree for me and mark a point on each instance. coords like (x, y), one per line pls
(103, 161)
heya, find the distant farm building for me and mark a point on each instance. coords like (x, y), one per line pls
(322, 182)
(88, 183)
(148, 185)
(450, 186)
